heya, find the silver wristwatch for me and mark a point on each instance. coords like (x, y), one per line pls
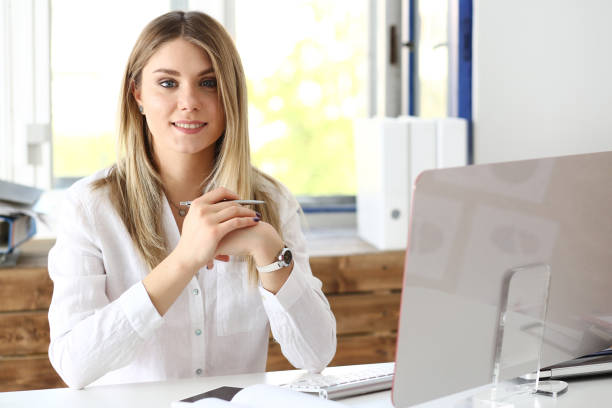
(283, 259)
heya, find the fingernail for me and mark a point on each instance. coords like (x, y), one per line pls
(256, 219)
(258, 214)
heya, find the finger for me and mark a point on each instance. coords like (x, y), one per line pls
(204, 209)
(210, 265)
(222, 258)
(216, 195)
(221, 205)
(234, 211)
(235, 223)
(226, 204)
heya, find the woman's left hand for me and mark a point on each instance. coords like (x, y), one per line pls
(263, 243)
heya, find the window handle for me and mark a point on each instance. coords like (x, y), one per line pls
(393, 45)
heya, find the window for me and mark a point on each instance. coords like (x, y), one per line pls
(312, 67)
(25, 148)
(306, 67)
(432, 59)
(90, 45)
(309, 67)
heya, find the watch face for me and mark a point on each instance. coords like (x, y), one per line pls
(287, 257)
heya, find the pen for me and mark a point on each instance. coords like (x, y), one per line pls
(188, 203)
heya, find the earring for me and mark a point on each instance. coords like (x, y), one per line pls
(140, 108)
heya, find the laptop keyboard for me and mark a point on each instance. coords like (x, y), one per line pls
(360, 381)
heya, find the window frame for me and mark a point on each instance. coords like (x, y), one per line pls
(25, 135)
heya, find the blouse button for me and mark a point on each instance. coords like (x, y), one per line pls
(196, 291)
(198, 332)
(199, 371)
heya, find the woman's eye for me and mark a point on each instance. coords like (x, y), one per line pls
(209, 83)
(168, 83)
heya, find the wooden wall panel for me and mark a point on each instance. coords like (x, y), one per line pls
(363, 349)
(24, 333)
(373, 348)
(358, 273)
(365, 313)
(25, 289)
(28, 373)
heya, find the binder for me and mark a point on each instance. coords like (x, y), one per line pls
(15, 229)
(17, 219)
(451, 141)
(390, 153)
(18, 193)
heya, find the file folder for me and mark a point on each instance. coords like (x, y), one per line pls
(15, 229)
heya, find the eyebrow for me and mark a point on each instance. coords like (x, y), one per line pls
(176, 73)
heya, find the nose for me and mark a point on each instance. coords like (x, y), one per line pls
(188, 99)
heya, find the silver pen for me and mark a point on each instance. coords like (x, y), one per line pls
(188, 203)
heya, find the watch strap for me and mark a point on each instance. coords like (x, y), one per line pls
(279, 263)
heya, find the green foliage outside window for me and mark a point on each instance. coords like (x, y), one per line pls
(313, 106)
(315, 155)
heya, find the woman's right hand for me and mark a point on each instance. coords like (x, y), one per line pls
(210, 218)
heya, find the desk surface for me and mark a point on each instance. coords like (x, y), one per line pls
(582, 393)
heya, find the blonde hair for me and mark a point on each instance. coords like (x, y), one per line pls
(134, 181)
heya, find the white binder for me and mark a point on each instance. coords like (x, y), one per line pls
(451, 140)
(390, 153)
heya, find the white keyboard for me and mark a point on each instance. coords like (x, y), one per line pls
(360, 381)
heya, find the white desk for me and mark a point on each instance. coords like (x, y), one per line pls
(582, 393)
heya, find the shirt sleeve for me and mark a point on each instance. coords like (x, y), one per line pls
(91, 335)
(300, 317)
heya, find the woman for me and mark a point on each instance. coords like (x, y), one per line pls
(148, 289)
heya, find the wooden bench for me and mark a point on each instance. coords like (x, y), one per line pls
(363, 291)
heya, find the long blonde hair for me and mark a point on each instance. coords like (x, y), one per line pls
(134, 181)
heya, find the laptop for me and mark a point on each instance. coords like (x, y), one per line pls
(589, 365)
(473, 227)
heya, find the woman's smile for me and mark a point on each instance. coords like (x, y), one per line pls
(189, 127)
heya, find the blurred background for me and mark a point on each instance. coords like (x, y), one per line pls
(310, 66)
(531, 80)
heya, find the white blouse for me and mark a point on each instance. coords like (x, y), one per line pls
(104, 327)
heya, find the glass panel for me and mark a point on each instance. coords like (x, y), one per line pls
(432, 59)
(305, 63)
(520, 332)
